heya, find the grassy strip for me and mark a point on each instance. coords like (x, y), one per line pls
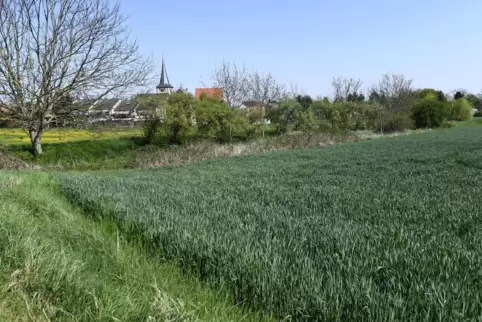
(56, 264)
(108, 154)
(369, 231)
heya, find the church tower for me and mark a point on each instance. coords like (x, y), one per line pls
(164, 87)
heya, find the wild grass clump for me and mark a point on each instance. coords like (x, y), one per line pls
(151, 156)
(370, 231)
(10, 162)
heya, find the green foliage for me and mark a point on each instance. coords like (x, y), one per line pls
(353, 116)
(282, 115)
(430, 93)
(461, 110)
(256, 122)
(153, 105)
(305, 101)
(178, 118)
(323, 115)
(429, 113)
(475, 100)
(216, 120)
(373, 231)
(459, 95)
(478, 114)
(355, 97)
(390, 122)
(306, 121)
(150, 129)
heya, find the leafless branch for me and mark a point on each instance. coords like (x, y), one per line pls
(342, 87)
(53, 48)
(240, 85)
(233, 81)
(395, 91)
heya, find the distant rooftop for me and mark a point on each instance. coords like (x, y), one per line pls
(212, 92)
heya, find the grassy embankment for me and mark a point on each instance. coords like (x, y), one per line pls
(374, 230)
(58, 265)
(114, 149)
(123, 148)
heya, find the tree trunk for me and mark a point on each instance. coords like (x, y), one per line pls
(36, 143)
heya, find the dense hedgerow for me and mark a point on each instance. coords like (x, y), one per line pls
(374, 231)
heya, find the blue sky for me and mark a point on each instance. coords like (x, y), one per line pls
(306, 42)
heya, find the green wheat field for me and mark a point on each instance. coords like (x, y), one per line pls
(376, 230)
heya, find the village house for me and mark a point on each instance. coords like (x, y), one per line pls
(128, 110)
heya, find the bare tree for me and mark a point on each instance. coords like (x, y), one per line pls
(264, 88)
(395, 91)
(292, 92)
(233, 81)
(343, 87)
(54, 48)
(240, 85)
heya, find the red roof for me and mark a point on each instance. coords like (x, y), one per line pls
(213, 92)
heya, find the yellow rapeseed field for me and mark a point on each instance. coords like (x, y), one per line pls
(19, 136)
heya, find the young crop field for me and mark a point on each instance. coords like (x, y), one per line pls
(376, 230)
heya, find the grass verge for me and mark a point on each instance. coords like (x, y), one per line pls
(122, 153)
(56, 264)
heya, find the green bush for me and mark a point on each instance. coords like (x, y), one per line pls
(478, 114)
(429, 113)
(283, 115)
(150, 129)
(153, 105)
(306, 121)
(336, 114)
(461, 110)
(348, 115)
(216, 120)
(178, 118)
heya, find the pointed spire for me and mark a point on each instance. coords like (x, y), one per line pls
(164, 81)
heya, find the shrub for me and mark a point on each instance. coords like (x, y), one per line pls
(306, 121)
(153, 105)
(346, 115)
(216, 120)
(256, 119)
(178, 118)
(428, 113)
(335, 115)
(461, 110)
(389, 122)
(282, 115)
(150, 129)
(478, 114)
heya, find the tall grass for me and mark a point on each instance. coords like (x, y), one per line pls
(121, 153)
(372, 231)
(57, 265)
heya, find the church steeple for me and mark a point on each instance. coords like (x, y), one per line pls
(164, 86)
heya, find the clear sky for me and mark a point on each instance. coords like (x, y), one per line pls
(438, 43)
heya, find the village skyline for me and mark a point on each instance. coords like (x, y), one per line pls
(309, 43)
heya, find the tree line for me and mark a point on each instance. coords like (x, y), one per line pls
(391, 105)
(54, 51)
